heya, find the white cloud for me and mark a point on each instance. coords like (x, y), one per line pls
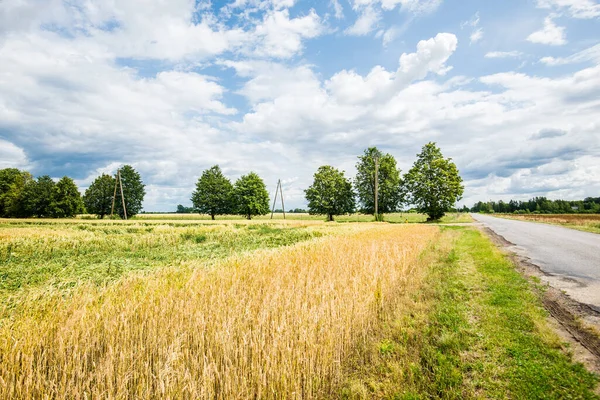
(503, 54)
(584, 9)
(390, 35)
(281, 37)
(338, 9)
(476, 36)
(590, 54)
(412, 6)
(550, 34)
(12, 156)
(365, 23)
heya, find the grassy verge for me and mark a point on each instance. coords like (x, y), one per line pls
(476, 330)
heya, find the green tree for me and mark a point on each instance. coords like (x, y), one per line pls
(330, 194)
(433, 183)
(213, 194)
(12, 189)
(389, 191)
(66, 199)
(133, 191)
(99, 196)
(37, 196)
(250, 196)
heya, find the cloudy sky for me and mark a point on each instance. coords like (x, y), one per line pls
(509, 89)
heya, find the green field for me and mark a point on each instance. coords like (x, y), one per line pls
(172, 308)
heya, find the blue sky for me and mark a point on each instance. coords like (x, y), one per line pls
(510, 90)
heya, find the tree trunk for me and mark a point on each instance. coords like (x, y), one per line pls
(212, 216)
(330, 217)
(249, 216)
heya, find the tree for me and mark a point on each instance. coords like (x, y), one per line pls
(389, 192)
(66, 199)
(99, 196)
(213, 193)
(330, 194)
(12, 190)
(250, 196)
(433, 183)
(37, 197)
(133, 191)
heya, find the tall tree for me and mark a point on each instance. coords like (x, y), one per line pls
(37, 196)
(250, 196)
(330, 194)
(389, 191)
(133, 191)
(12, 189)
(66, 199)
(433, 183)
(99, 196)
(213, 195)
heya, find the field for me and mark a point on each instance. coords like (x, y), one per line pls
(270, 309)
(582, 222)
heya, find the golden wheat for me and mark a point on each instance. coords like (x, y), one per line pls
(273, 324)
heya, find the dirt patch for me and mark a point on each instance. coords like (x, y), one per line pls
(576, 323)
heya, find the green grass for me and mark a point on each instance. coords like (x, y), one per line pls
(477, 330)
(62, 255)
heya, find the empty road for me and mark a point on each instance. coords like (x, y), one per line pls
(570, 258)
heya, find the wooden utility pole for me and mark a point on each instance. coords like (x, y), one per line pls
(376, 186)
(119, 183)
(278, 190)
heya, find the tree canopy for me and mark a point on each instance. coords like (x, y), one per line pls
(389, 191)
(213, 194)
(330, 194)
(250, 196)
(433, 183)
(38, 197)
(12, 190)
(66, 199)
(99, 196)
(133, 191)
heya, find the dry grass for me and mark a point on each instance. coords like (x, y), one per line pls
(272, 324)
(584, 222)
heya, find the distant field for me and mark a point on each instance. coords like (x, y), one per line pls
(583, 222)
(393, 217)
(270, 309)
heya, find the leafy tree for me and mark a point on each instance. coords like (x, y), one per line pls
(213, 193)
(330, 194)
(389, 191)
(250, 196)
(99, 196)
(133, 191)
(37, 197)
(66, 199)
(12, 190)
(433, 182)
(181, 209)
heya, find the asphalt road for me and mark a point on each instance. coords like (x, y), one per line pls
(570, 258)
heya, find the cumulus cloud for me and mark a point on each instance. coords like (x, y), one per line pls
(550, 34)
(366, 22)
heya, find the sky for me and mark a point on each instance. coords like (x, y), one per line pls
(510, 90)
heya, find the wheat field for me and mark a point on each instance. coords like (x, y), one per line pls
(273, 323)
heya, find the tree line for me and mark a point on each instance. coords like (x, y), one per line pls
(432, 185)
(22, 196)
(539, 205)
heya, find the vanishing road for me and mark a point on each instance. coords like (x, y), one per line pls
(570, 258)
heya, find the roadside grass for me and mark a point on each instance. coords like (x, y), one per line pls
(475, 330)
(582, 222)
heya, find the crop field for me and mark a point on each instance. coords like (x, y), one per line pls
(583, 222)
(295, 309)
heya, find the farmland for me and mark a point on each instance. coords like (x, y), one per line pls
(270, 309)
(582, 222)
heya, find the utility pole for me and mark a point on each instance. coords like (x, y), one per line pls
(120, 184)
(376, 187)
(278, 190)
